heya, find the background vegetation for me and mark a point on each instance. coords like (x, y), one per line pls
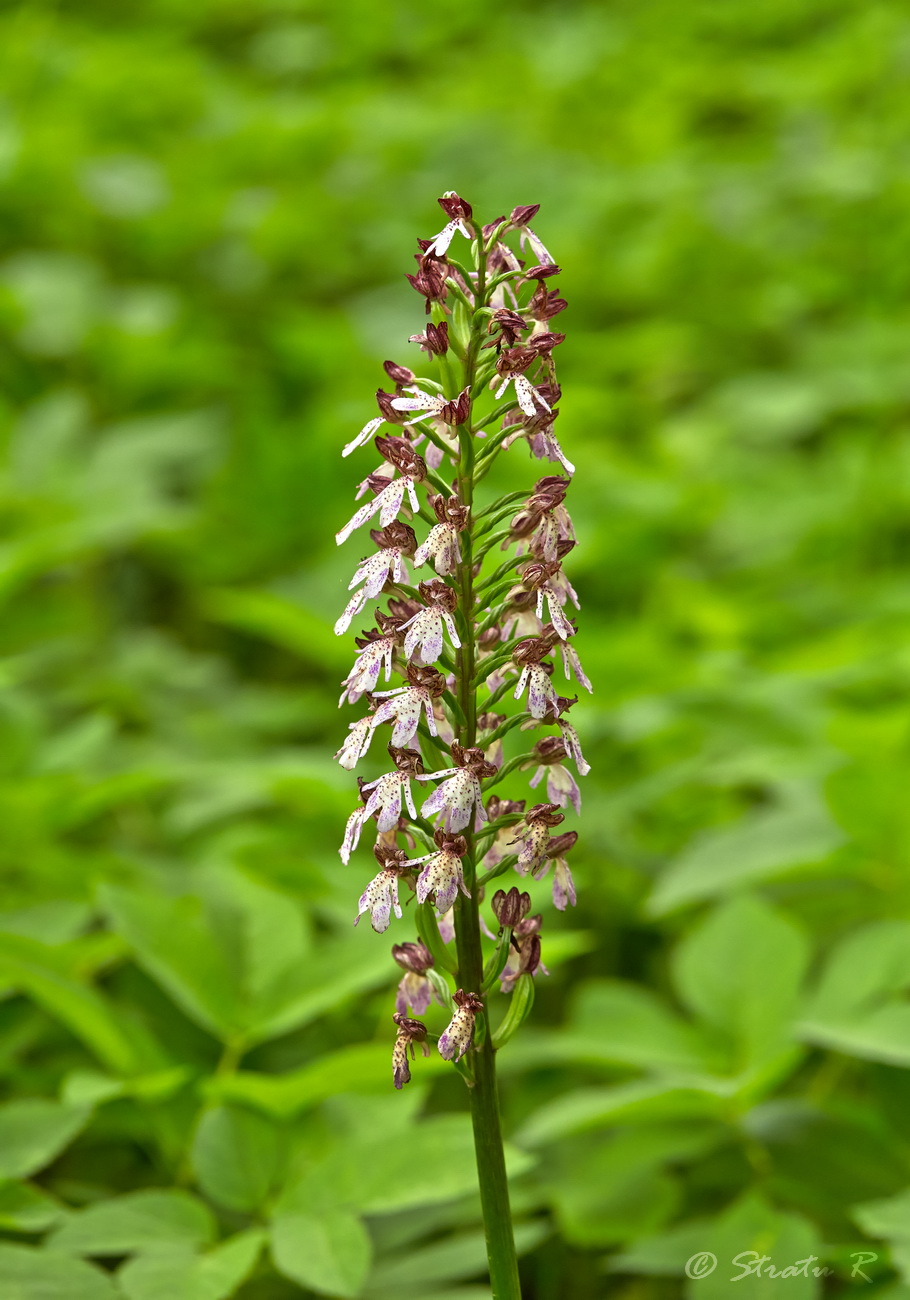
(207, 210)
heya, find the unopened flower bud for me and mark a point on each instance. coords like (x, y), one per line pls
(454, 206)
(541, 272)
(414, 957)
(434, 340)
(458, 409)
(449, 510)
(399, 375)
(497, 807)
(430, 280)
(524, 213)
(387, 410)
(561, 844)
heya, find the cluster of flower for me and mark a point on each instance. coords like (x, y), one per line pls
(493, 319)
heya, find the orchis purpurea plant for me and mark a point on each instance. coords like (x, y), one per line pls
(486, 627)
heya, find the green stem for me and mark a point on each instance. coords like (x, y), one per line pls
(491, 1168)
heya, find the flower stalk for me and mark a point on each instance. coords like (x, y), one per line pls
(459, 642)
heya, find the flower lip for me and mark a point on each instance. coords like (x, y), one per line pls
(467, 1001)
(400, 453)
(426, 677)
(396, 536)
(532, 650)
(551, 749)
(473, 758)
(439, 593)
(408, 761)
(546, 814)
(391, 859)
(412, 1029)
(448, 843)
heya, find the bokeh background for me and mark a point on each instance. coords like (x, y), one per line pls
(207, 212)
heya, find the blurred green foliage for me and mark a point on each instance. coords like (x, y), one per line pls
(207, 210)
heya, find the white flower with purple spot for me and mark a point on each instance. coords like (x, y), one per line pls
(572, 663)
(562, 788)
(403, 705)
(375, 656)
(387, 503)
(460, 790)
(380, 897)
(530, 399)
(364, 435)
(458, 1035)
(385, 800)
(425, 633)
(442, 876)
(356, 743)
(442, 547)
(540, 689)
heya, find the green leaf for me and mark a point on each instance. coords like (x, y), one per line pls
(763, 846)
(629, 1025)
(177, 1273)
(428, 931)
(34, 1132)
(379, 1171)
(44, 975)
(610, 1189)
(461, 1256)
(643, 1101)
(134, 1222)
(751, 1229)
(520, 1004)
(748, 1229)
(237, 959)
(29, 1274)
(885, 1218)
(277, 619)
(92, 1088)
(173, 941)
(328, 1253)
(741, 970)
(866, 966)
(236, 1157)
(24, 1208)
(286, 1095)
(859, 1006)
